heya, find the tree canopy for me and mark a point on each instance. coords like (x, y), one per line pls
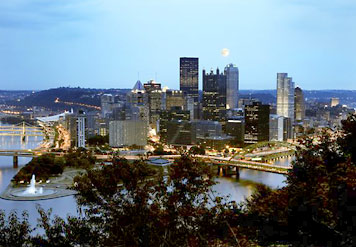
(318, 205)
(130, 204)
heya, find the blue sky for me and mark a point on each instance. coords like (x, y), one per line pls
(106, 44)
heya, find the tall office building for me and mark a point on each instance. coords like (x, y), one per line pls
(151, 86)
(155, 102)
(189, 80)
(76, 125)
(106, 101)
(299, 104)
(80, 141)
(232, 86)
(334, 102)
(214, 96)
(285, 96)
(174, 98)
(175, 113)
(276, 124)
(127, 133)
(256, 122)
(285, 101)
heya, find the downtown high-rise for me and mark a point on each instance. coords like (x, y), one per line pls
(214, 96)
(299, 104)
(285, 100)
(232, 86)
(189, 80)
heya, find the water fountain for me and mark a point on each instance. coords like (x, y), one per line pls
(32, 191)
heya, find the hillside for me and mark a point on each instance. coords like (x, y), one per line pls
(66, 98)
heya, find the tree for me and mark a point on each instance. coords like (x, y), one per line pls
(134, 206)
(197, 150)
(318, 204)
(13, 231)
(98, 140)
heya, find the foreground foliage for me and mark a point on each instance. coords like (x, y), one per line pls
(149, 209)
(49, 165)
(129, 204)
(318, 205)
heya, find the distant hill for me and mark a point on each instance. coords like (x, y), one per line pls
(65, 98)
(347, 97)
(265, 96)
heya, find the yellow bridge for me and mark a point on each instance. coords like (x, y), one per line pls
(21, 129)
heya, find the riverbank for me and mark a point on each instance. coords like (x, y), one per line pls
(59, 185)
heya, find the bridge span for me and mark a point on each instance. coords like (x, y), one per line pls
(21, 129)
(224, 163)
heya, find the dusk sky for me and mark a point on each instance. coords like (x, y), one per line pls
(106, 44)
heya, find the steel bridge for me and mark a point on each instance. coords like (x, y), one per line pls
(21, 129)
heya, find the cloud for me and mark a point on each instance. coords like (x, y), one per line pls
(339, 8)
(40, 14)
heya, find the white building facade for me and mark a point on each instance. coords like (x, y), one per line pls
(127, 133)
(232, 86)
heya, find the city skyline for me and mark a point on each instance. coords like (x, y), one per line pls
(111, 44)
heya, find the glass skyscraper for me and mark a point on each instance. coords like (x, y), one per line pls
(214, 96)
(189, 79)
(285, 96)
(285, 101)
(232, 86)
(299, 104)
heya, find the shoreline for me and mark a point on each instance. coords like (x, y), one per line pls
(60, 185)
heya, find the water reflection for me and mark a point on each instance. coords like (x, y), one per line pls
(238, 190)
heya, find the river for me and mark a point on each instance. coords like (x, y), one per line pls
(238, 190)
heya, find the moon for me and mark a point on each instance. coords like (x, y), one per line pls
(225, 52)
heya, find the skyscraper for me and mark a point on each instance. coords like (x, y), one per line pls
(155, 101)
(232, 86)
(214, 96)
(334, 102)
(256, 122)
(299, 104)
(127, 133)
(285, 96)
(189, 80)
(80, 141)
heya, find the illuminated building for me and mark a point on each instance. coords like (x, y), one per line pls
(334, 102)
(174, 98)
(214, 96)
(285, 98)
(189, 80)
(299, 104)
(232, 86)
(127, 133)
(256, 123)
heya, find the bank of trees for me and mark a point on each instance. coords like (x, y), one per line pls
(98, 140)
(128, 204)
(49, 165)
(318, 205)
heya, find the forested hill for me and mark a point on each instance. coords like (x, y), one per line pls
(64, 97)
(347, 97)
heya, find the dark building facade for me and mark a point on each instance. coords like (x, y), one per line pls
(214, 96)
(299, 104)
(166, 117)
(151, 86)
(256, 123)
(236, 128)
(180, 132)
(189, 80)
